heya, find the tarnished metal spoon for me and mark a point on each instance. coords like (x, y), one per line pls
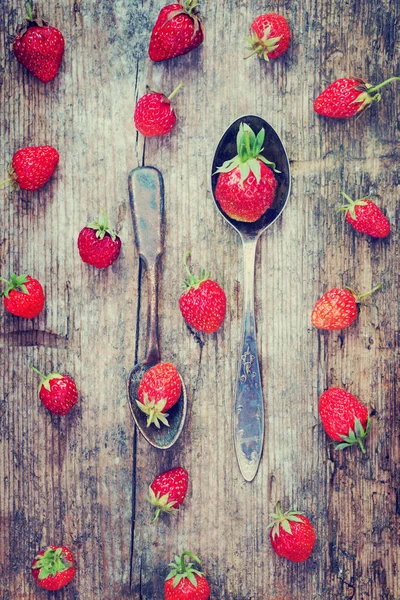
(249, 407)
(146, 194)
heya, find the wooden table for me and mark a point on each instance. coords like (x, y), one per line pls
(82, 480)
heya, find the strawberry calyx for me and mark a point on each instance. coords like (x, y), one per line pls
(358, 297)
(11, 179)
(351, 205)
(51, 563)
(249, 148)
(370, 93)
(15, 283)
(154, 411)
(283, 520)
(101, 226)
(262, 46)
(189, 8)
(45, 379)
(193, 281)
(180, 570)
(31, 20)
(355, 435)
(160, 503)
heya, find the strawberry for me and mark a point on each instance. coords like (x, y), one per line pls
(23, 296)
(39, 47)
(32, 167)
(184, 582)
(178, 30)
(347, 97)
(57, 392)
(292, 535)
(203, 303)
(269, 36)
(54, 568)
(98, 245)
(168, 491)
(246, 183)
(337, 308)
(366, 217)
(344, 418)
(159, 390)
(154, 113)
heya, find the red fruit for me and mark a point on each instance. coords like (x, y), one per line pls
(57, 392)
(168, 491)
(347, 97)
(344, 418)
(23, 296)
(366, 217)
(337, 308)
(246, 185)
(98, 245)
(178, 30)
(32, 167)
(154, 113)
(184, 582)
(292, 535)
(203, 304)
(269, 36)
(54, 568)
(39, 48)
(159, 390)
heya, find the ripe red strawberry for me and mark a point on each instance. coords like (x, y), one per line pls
(269, 36)
(292, 535)
(366, 217)
(184, 582)
(337, 308)
(23, 296)
(98, 245)
(246, 183)
(39, 47)
(178, 30)
(154, 113)
(203, 303)
(32, 167)
(159, 390)
(57, 392)
(168, 491)
(347, 97)
(344, 418)
(54, 568)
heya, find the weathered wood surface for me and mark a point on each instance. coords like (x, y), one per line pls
(82, 480)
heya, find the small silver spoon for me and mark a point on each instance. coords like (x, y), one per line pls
(146, 194)
(249, 407)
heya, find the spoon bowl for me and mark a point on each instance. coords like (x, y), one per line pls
(273, 151)
(146, 194)
(165, 437)
(248, 421)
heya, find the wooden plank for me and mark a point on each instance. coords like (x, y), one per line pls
(84, 479)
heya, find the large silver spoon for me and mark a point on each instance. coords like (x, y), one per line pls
(146, 194)
(249, 407)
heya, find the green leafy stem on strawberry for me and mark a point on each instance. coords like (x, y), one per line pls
(161, 503)
(45, 379)
(189, 8)
(15, 283)
(370, 93)
(355, 436)
(51, 563)
(180, 570)
(31, 20)
(11, 179)
(193, 281)
(359, 297)
(249, 148)
(262, 46)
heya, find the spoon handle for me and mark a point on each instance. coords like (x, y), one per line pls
(249, 407)
(146, 194)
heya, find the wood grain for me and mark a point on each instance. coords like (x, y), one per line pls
(82, 480)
